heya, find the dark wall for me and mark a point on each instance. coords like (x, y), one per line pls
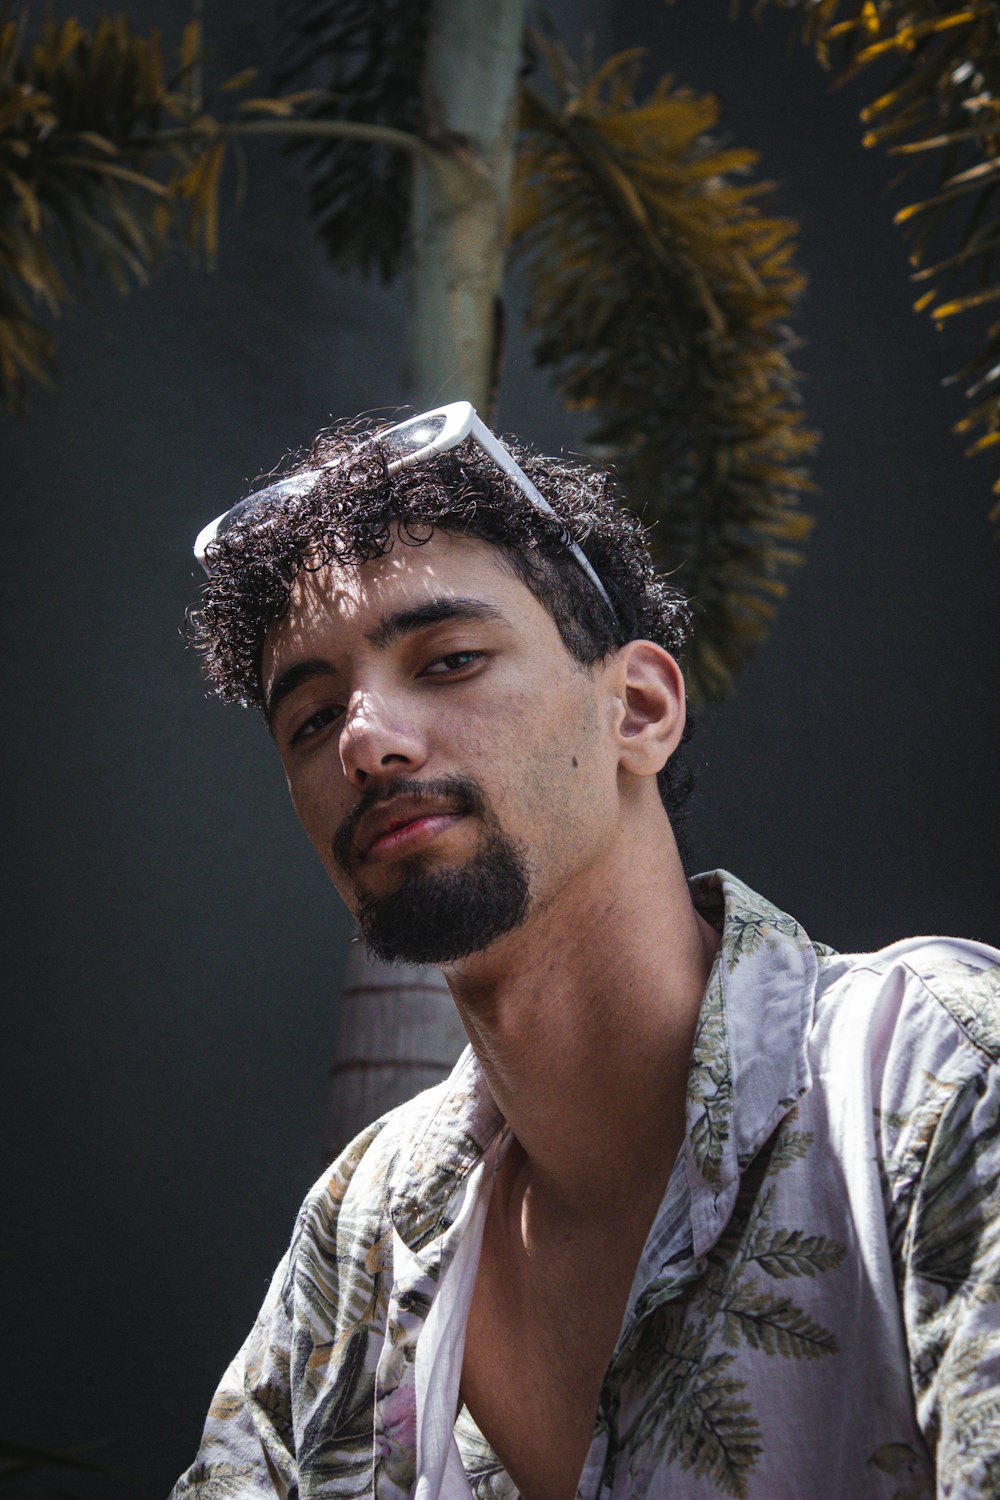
(175, 955)
(853, 777)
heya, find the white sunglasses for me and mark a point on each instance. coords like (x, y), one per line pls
(406, 444)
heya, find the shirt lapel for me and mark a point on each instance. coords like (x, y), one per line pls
(749, 1063)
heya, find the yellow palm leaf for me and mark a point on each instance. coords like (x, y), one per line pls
(658, 292)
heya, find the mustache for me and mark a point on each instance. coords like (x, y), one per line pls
(459, 794)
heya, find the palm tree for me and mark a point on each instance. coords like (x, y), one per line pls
(445, 140)
(659, 289)
(935, 71)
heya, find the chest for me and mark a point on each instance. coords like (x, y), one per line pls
(786, 1313)
(771, 1316)
(540, 1335)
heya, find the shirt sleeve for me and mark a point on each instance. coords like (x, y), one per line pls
(951, 1290)
(247, 1448)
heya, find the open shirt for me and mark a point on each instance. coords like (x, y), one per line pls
(816, 1311)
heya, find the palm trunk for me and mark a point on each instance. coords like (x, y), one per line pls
(399, 1033)
(460, 199)
(398, 1030)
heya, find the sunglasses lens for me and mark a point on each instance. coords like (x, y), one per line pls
(407, 441)
(282, 490)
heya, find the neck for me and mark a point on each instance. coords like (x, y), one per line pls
(583, 1022)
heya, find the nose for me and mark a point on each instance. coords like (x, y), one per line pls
(378, 740)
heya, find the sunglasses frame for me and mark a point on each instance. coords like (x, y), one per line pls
(447, 426)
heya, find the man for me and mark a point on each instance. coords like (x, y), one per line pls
(705, 1209)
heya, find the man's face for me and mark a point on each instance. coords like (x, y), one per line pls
(448, 759)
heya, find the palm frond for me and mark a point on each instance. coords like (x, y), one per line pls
(659, 293)
(939, 117)
(78, 189)
(365, 59)
(107, 162)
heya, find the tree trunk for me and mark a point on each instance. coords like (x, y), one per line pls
(460, 200)
(399, 1031)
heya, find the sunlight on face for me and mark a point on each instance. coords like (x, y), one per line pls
(429, 667)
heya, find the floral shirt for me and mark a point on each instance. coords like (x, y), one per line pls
(816, 1311)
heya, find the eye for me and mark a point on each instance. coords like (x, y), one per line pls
(316, 722)
(455, 661)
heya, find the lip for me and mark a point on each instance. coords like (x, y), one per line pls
(394, 830)
(410, 835)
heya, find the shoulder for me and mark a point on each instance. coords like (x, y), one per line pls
(963, 979)
(911, 1032)
(357, 1188)
(910, 1037)
(943, 992)
(398, 1174)
(331, 1289)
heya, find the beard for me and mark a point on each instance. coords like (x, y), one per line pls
(439, 914)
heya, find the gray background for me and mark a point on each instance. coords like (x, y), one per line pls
(174, 954)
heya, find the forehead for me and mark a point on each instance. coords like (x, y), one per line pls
(332, 605)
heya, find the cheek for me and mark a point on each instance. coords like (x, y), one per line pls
(550, 774)
(499, 750)
(320, 818)
(317, 809)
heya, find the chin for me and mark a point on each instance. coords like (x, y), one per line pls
(441, 914)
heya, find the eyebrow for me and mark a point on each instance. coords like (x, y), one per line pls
(390, 628)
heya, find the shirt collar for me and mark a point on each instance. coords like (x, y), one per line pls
(464, 1127)
(749, 1062)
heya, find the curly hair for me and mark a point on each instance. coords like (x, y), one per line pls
(355, 509)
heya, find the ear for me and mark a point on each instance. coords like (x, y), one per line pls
(651, 707)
